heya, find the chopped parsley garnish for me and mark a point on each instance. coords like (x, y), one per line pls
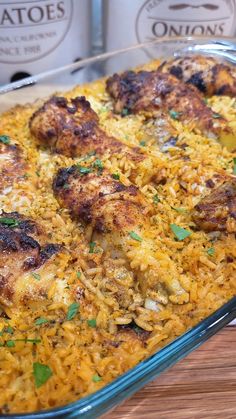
(135, 236)
(125, 112)
(78, 274)
(98, 165)
(10, 222)
(103, 109)
(66, 186)
(116, 176)
(174, 114)
(83, 170)
(5, 139)
(234, 166)
(41, 320)
(72, 311)
(36, 276)
(142, 143)
(211, 251)
(92, 322)
(10, 343)
(96, 378)
(92, 246)
(37, 173)
(179, 232)
(8, 329)
(156, 199)
(179, 209)
(216, 115)
(41, 373)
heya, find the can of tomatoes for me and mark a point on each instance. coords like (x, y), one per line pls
(37, 36)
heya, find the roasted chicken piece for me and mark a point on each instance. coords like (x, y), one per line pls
(152, 91)
(207, 74)
(12, 164)
(217, 211)
(72, 128)
(117, 217)
(22, 258)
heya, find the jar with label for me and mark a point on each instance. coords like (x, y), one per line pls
(37, 36)
(130, 22)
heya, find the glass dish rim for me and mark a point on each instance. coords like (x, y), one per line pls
(181, 346)
(145, 370)
(6, 88)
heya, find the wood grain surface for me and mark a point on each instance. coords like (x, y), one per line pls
(203, 385)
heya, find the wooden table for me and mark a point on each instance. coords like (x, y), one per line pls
(203, 385)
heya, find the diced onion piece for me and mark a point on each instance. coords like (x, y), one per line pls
(151, 305)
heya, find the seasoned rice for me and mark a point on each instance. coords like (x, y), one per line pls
(83, 355)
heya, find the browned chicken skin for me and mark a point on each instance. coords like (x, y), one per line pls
(118, 219)
(12, 165)
(72, 128)
(206, 73)
(217, 211)
(21, 253)
(151, 91)
(100, 200)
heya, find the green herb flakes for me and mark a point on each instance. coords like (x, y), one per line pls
(40, 320)
(234, 165)
(41, 373)
(10, 222)
(142, 143)
(10, 343)
(8, 329)
(179, 209)
(135, 236)
(36, 276)
(179, 232)
(66, 186)
(116, 176)
(96, 378)
(211, 251)
(216, 115)
(175, 115)
(72, 311)
(92, 246)
(103, 109)
(5, 139)
(78, 274)
(125, 112)
(156, 199)
(98, 165)
(83, 170)
(92, 323)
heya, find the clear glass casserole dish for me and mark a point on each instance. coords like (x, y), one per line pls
(63, 79)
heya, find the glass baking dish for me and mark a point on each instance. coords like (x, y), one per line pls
(65, 78)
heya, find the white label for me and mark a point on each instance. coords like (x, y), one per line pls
(31, 30)
(137, 21)
(159, 18)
